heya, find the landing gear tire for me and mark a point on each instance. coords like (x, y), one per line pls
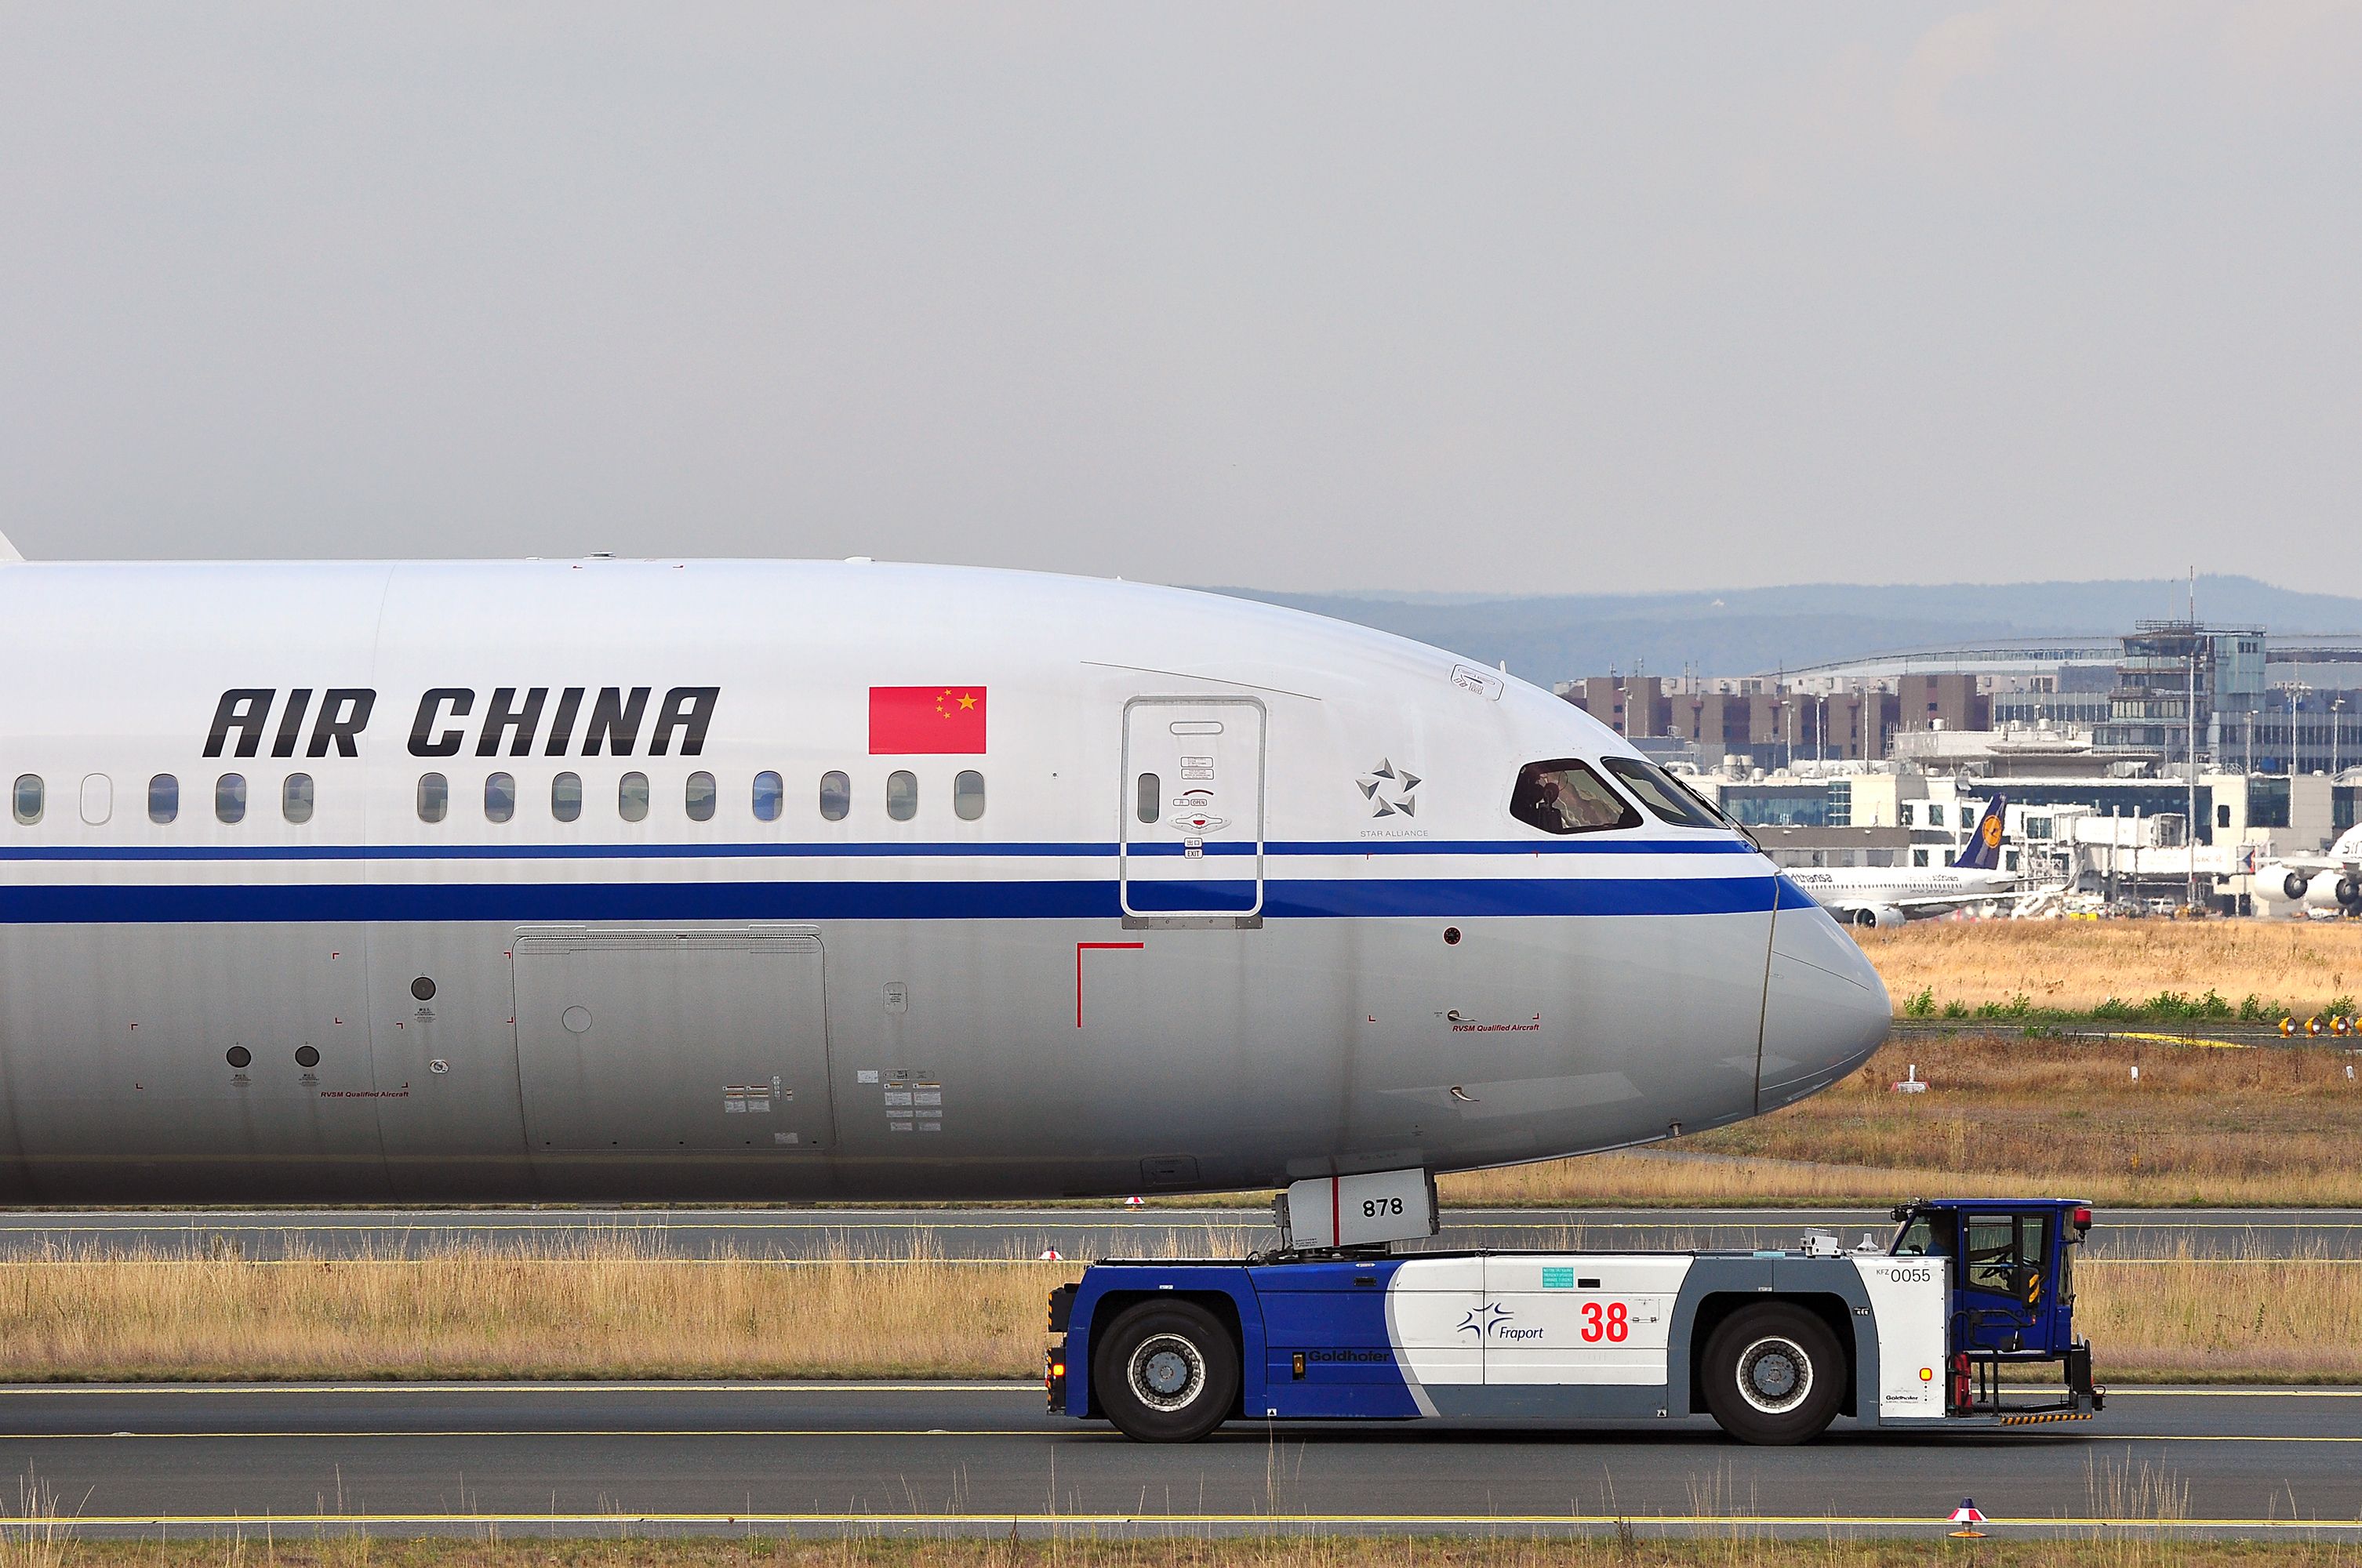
(1167, 1372)
(1773, 1374)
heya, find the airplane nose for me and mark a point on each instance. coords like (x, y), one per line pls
(1824, 1009)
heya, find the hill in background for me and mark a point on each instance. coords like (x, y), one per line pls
(1747, 631)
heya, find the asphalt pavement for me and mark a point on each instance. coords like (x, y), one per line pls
(986, 1458)
(1077, 1232)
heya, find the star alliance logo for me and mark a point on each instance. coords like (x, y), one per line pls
(1390, 790)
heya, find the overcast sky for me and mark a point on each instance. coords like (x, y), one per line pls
(1522, 298)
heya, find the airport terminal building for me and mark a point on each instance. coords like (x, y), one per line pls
(2132, 764)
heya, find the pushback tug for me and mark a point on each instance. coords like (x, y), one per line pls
(1772, 1344)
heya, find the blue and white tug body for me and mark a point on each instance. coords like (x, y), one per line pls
(1773, 1345)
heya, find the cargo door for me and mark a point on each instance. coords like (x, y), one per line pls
(711, 1041)
(1191, 847)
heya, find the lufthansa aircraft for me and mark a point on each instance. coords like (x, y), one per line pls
(642, 880)
(1879, 896)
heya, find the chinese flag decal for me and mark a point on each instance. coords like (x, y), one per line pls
(906, 719)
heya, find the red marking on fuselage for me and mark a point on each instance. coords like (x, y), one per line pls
(1081, 947)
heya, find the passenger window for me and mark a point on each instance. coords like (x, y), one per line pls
(566, 797)
(433, 797)
(698, 797)
(163, 797)
(836, 796)
(632, 797)
(97, 799)
(1565, 796)
(229, 798)
(500, 797)
(295, 798)
(771, 796)
(901, 795)
(967, 795)
(1658, 793)
(26, 799)
(1148, 797)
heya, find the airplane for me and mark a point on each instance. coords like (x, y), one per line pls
(696, 880)
(2327, 881)
(1887, 896)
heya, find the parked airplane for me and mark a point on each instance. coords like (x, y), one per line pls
(2330, 881)
(783, 880)
(1877, 895)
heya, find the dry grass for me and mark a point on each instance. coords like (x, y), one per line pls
(1729, 1545)
(2074, 966)
(606, 1307)
(2273, 1126)
(614, 1310)
(2298, 1320)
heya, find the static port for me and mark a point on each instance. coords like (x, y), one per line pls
(240, 1056)
(306, 1056)
(1452, 936)
(422, 989)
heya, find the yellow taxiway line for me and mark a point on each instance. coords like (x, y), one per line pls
(132, 1390)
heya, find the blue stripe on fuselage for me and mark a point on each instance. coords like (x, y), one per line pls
(1283, 899)
(854, 850)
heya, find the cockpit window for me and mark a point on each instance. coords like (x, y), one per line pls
(1658, 793)
(1566, 795)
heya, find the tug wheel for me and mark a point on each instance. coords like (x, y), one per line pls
(1167, 1372)
(1773, 1374)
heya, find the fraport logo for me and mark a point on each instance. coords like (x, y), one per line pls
(1491, 1322)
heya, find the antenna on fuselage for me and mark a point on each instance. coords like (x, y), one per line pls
(9, 554)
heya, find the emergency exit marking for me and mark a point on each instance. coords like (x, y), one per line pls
(1080, 948)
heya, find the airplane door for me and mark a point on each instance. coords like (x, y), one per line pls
(647, 1041)
(1193, 808)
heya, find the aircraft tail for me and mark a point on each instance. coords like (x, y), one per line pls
(9, 555)
(1983, 853)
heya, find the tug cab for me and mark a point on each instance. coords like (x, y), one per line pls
(2012, 1264)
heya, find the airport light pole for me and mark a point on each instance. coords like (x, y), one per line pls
(2336, 734)
(2291, 689)
(2189, 765)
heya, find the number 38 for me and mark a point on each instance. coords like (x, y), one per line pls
(1612, 1323)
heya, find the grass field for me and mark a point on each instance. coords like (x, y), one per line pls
(1727, 1546)
(2270, 1126)
(2075, 966)
(613, 1309)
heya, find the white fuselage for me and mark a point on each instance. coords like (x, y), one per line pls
(1911, 891)
(2330, 880)
(463, 922)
